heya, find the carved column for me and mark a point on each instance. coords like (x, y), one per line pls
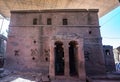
(66, 57)
(81, 61)
(52, 60)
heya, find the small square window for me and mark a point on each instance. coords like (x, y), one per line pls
(49, 21)
(107, 52)
(90, 32)
(35, 21)
(65, 22)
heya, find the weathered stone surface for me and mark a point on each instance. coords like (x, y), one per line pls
(45, 79)
(34, 47)
(109, 58)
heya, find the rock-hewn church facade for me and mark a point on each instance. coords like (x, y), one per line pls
(63, 42)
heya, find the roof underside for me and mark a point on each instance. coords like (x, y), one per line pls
(104, 6)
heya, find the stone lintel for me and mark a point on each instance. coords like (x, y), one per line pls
(93, 10)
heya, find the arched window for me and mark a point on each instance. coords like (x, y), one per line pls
(73, 58)
(59, 58)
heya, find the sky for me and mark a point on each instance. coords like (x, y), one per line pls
(110, 28)
(4, 26)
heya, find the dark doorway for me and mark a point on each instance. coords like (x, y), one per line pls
(72, 58)
(59, 59)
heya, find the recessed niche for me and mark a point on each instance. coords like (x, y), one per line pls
(90, 32)
(16, 52)
(48, 76)
(46, 59)
(33, 58)
(34, 41)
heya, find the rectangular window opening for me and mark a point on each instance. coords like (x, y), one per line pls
(65, 22)
(35, 21)
(49, 21)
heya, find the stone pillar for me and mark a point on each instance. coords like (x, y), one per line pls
(52, 60)
(66, 57)
(81, 61)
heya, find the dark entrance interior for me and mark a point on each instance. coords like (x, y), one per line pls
(59, 59)
(72, 58)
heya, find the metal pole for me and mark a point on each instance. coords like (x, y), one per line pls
(1, 25)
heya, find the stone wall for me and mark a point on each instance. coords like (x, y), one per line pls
(109, 58)
(31, 47)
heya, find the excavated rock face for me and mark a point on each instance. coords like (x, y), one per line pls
(63, 43)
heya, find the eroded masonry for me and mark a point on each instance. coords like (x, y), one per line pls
(64, 42)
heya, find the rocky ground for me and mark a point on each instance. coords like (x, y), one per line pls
(109, 77)
(22, 77)
(105, 81)
(7, 76)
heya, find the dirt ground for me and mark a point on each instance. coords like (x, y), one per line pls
(20, 77)
(38, 77)
(105, 81)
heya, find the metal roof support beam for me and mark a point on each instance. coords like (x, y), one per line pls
(1, 25)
